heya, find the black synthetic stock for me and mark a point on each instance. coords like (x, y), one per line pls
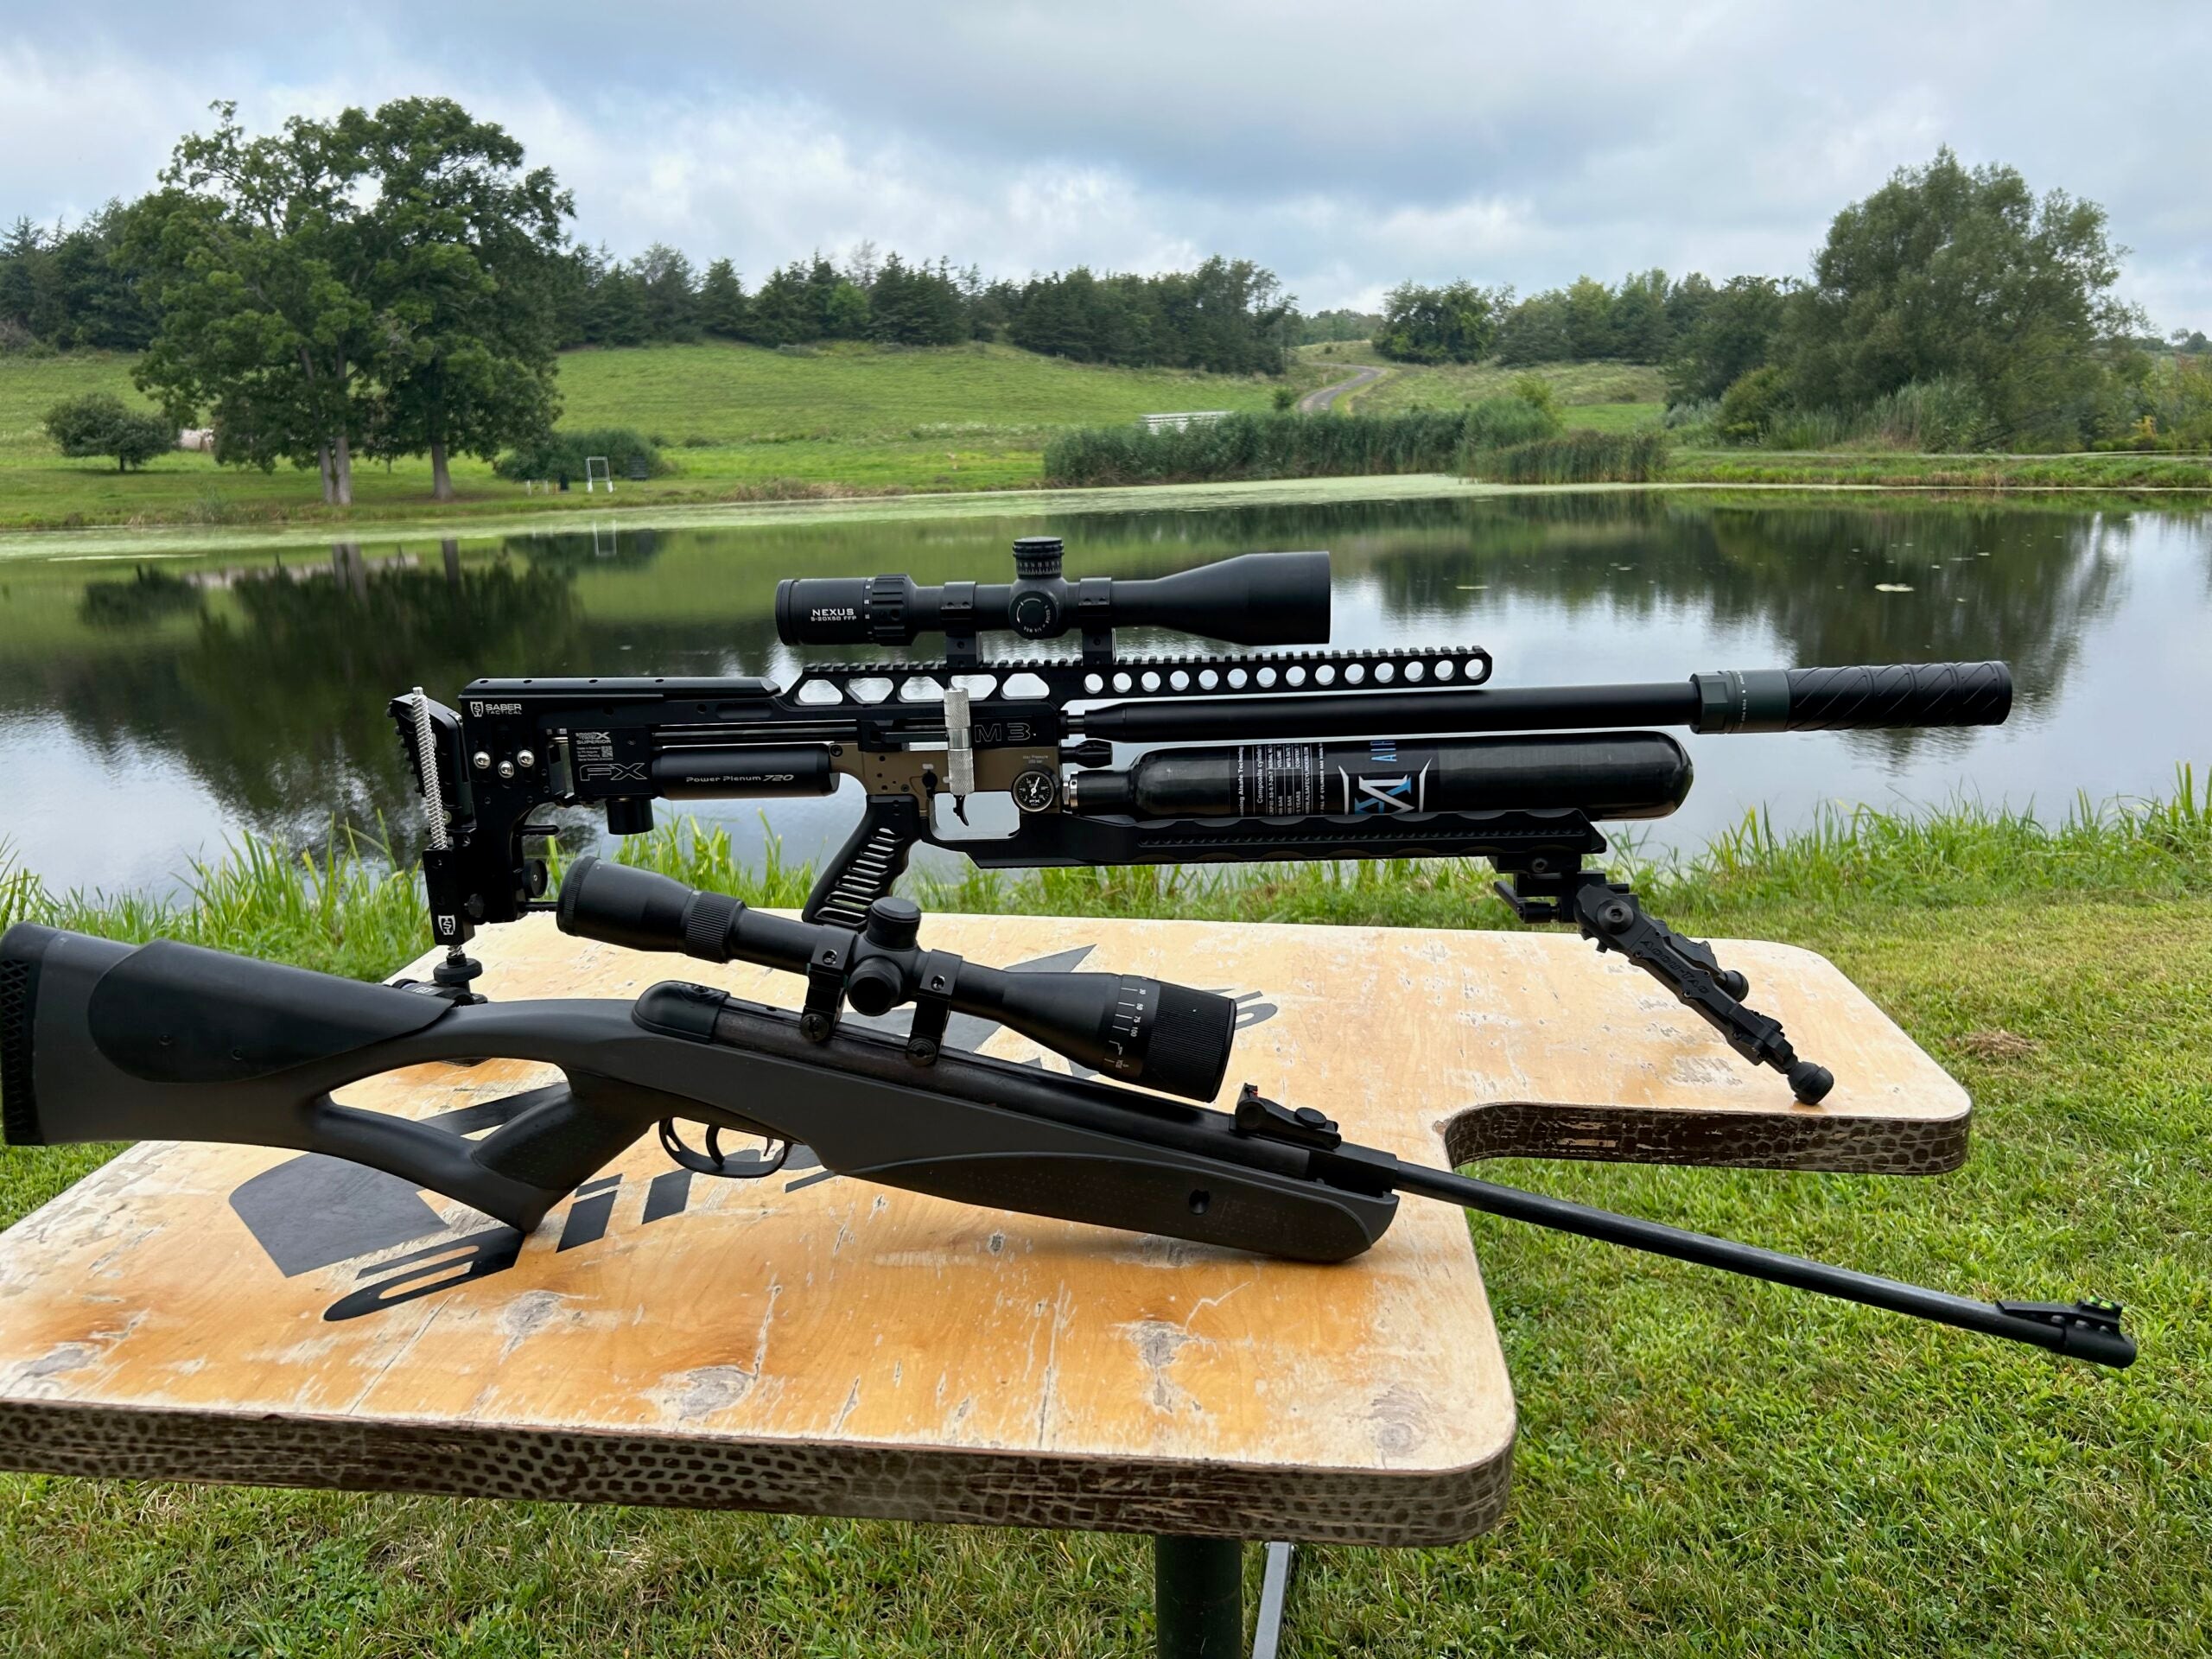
(232, 1050)
(969, 1127)
(171, 1013)
(20, 948)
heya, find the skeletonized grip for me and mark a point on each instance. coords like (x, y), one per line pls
(873, 858)
(1853, 699)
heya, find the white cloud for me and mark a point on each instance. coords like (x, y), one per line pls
(1344, 149)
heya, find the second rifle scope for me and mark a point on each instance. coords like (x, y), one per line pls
(1163, 1035)
(1254, 599)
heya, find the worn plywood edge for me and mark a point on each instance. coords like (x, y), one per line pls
(970, 1486)
(1836, 1142)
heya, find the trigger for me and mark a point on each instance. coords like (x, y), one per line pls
(960, 808)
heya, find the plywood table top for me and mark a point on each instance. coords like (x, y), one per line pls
(820, 1345)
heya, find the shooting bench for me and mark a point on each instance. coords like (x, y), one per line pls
(820, 1345)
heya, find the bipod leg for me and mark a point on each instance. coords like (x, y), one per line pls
(1608, 912)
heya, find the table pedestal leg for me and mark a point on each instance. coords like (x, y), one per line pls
(1274, 1589)
(1199, 1597)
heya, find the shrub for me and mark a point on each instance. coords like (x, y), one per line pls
(1752, 401)
(1535, 389)
(1284, 397)
(561, 454)
(1577, 457)
(17, 340)
(1289, 445)
(1498, 423)
(97, 423)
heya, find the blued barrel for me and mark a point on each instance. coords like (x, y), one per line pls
(1603, 775)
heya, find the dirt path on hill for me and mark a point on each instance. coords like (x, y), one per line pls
(1318, 401)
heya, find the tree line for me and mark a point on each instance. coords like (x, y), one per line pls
(397, 283)
(1953, 301)
(96, 285)
(1228, 316)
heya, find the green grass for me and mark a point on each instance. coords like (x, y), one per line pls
(1703, 1465)
(1289, 445)
(1978, 471)
(740, 423)
(1415, 386)
(744, 424)
(1581, 457)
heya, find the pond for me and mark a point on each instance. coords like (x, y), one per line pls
(152, 707)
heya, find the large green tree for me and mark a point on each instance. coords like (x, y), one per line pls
(1734, 329)
(915, 305)
(462, 278)
(98, 423)
(1964, 273)
(256, 269)
(1457, 323)
(388, 279)
(722, 309)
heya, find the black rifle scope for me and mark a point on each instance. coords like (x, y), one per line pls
(1254, 599)
(1163, 1036)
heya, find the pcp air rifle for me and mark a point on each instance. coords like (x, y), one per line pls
(103, 1041)
(1342, 754)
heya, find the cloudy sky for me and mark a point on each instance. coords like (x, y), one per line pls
(1345, 146)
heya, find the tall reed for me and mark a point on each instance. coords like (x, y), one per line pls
(1291, 445)
(1578, 457)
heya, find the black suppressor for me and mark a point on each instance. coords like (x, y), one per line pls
(1733, 700)
(1255, 599)
(1166, 1037)
(1606, 775)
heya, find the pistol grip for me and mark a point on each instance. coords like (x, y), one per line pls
(873, 858)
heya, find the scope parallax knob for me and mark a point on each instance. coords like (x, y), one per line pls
(1037, 558)
(893, 924)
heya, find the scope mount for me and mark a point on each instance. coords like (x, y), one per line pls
(1038, 608)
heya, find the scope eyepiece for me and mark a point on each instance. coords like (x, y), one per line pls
(1166, 1036)
(1254, 599)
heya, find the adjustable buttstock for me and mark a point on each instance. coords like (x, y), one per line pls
(102, 1041)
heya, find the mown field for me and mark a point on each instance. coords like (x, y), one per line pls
(744, 424)
(1579, 388)
(738, 422)
(1704, 1466)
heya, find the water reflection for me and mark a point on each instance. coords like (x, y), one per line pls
(210, 694)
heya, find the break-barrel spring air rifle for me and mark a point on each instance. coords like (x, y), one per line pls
(106, 1041)
(1335, 753)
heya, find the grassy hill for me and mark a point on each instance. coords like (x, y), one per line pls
(739, 421)
(1609, 396)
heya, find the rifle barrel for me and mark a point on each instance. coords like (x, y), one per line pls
(1734, 700)
(2084, 1337)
